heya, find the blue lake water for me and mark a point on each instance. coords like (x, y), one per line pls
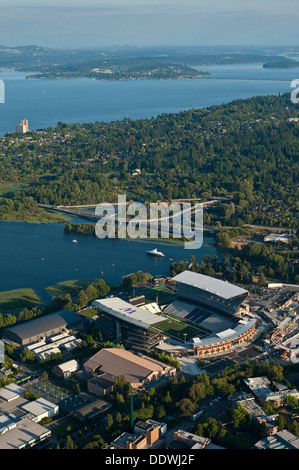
(39, 255)
(45, 102)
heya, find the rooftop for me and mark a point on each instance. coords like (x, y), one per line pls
(25, 433)
(39, 406)
(43, 324)
(122, 310)
(116, 362)
(65, 366)
(93, 409)
(281, 440)
(10, 392)
(210, 284)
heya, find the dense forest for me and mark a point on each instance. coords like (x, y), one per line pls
(246, 150)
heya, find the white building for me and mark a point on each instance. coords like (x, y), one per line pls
(40, 409)
(22, 128)
(275, 238)
(23, 434)
(11, 392)
(67, 368)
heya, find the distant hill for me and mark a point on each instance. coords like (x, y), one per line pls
(129, 63)
(281, 63)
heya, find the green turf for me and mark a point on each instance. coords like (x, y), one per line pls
(72, 287)
(176, 328)
(18, 298)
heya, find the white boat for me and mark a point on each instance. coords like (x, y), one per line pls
(75, 241)
(155, 252)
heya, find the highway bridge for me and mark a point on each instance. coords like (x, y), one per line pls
(75, 211)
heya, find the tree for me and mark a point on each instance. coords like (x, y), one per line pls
(197, 392)
(45, 376)
(76, 388)
(160, 412)
(239, 416)
(69, 443)
(27, 356)
(109, 423)
(30, 395)
(186, 407)
(292, 402)
(209, 428)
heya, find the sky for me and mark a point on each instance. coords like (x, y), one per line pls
(101, 23)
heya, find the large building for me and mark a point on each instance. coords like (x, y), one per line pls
(92, 410)
(139, 371)
(22, 434)
(23, 127)
(47, 325)
(258, 414)
(127, 324)
(191, 441)
(282, 440)
(215, 307)
(19, 418)
(260, 388)
(209, 292)
(145, 435)
(225, 340)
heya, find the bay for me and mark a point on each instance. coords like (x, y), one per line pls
(38, 256)
(45, 102)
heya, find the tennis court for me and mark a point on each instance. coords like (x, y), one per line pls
(48, 391)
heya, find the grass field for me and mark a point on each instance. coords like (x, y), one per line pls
(177, 328)
(72, 287)
(18, 298)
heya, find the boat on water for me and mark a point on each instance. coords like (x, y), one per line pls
(75, 241)
(155, 252)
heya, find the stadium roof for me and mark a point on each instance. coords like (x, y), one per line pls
(228, 334)
(210, 284)
(122, 310)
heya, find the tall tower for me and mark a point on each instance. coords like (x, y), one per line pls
(23, 127)
(25, 124)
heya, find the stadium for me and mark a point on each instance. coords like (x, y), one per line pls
(127, 324)
(204, 318)
(215, 306)
(214, 294)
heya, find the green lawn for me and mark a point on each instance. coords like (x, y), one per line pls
(18, 298)
(72, 287)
